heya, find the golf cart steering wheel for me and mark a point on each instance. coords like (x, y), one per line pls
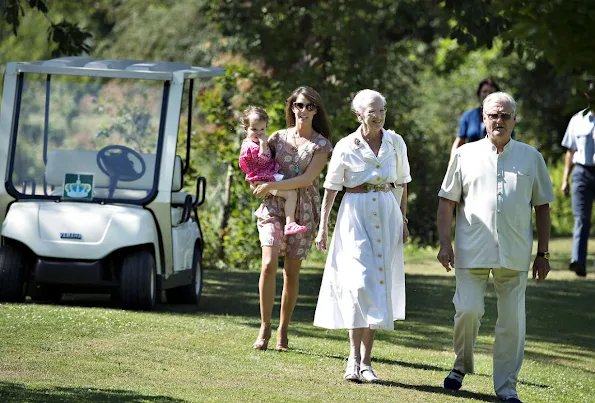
(115, 162)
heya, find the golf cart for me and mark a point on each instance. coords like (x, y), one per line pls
(92, 198)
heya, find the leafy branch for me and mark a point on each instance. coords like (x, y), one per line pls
(68, 37)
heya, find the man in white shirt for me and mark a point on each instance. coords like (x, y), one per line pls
(494, 183)
(579, 141)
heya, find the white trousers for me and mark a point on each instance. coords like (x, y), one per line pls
(509, 345)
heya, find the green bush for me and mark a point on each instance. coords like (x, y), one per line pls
(561, 208)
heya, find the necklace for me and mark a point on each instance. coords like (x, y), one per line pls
(294, 166)
(294, 147)
(295, 136)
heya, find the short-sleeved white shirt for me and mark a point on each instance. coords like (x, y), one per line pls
(495, 194)
(353, 162)
(580, 137)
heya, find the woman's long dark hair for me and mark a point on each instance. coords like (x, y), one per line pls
(319, 122)
(487, 81)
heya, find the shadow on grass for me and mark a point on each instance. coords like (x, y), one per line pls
(461, 394)
(418, 366)
(437, 390)
(16, 393)
(556, 311)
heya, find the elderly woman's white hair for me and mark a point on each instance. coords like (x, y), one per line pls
(363, 98)
(502, 97)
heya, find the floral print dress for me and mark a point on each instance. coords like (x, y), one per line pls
(271, 214)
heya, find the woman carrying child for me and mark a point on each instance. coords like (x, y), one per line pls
(259, 165)
(302, 151)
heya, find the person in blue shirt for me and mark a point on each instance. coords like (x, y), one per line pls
(579, 141)
(471, 127)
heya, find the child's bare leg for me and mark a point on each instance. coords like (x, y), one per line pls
(290, 197)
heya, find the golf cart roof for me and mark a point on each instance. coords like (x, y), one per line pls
(114, 68)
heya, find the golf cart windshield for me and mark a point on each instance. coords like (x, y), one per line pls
(86, 138)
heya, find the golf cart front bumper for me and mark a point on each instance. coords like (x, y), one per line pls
(87, 273)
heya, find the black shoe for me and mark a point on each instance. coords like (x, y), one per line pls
(454, 380)
(512, 399)
(578, 268)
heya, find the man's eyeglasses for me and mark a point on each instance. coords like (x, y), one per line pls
(495, 116)
(301, 106)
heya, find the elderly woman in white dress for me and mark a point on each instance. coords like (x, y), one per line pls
(363, 285)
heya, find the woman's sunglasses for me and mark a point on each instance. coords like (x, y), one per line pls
(301, 106)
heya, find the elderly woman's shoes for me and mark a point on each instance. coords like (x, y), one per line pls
(367, 374)
(352, 372)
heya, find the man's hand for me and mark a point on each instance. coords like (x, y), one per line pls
(565, 188)
(541, 268)
(446, 257)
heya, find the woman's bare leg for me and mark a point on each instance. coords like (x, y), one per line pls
(266, 289)
(366, 346)
(291, 285)
(290, 197)
(355, 341)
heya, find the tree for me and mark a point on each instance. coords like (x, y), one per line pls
(68, 38)
(341, 46)
(560, 31)
(167, 30)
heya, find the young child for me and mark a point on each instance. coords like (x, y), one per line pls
(259, 166)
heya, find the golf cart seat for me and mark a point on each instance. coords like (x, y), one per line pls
(61, 162)
(178, 198)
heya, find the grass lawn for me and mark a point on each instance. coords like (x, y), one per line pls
(83, 350)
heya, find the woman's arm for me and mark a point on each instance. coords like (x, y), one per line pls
(314, 169)
(403, 203)
(403, 206)
(327, 203)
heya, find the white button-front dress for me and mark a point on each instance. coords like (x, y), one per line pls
(363, 284)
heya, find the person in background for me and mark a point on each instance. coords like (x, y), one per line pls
(494, 183)
(302, 151)
(363, 285)
(471, 126)
(579, 141)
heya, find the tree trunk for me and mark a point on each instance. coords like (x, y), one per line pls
(226, 212)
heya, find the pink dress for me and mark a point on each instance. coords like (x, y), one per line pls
(271, 215)
(258, 167)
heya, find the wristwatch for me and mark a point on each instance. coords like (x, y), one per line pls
(545, 255)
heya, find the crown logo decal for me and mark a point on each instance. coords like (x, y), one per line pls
(77, 189)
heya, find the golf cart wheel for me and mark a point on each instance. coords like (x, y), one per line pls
(13, 287)
(190, 293)
(46, 293)
(138, 286)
